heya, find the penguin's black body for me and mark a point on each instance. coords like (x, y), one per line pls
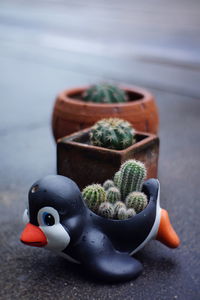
(65, 224)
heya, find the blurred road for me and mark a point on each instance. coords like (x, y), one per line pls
(49, 45)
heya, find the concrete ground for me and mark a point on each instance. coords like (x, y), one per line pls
(47, 46)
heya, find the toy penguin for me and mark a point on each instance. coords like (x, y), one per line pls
(58, 219)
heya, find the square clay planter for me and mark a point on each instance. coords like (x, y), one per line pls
(87, 164)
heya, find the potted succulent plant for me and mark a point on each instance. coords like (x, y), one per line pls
(80, 108)
(119, 198)
(96, 153)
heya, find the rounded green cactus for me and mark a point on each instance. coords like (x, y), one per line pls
(113, 195)
(108, 184)
(106, 210)
(104, 93)
(118, 205)
(122, 214)
(112, 133)
(136, 200)
(94, 195)
(131, 178)
(130, 212)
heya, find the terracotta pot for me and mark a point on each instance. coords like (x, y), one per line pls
(86, 164)
(71, 114)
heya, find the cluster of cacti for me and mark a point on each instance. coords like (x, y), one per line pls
(121, 198)
(104, 93)
(112, 133)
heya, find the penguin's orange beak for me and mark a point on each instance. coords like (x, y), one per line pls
(33, 236)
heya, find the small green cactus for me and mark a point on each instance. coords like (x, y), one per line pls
(108, 184)
(112, 133)
(122, 214)
(94, 195)
(116, 178)
(118, 205)
(130, 212)
(106, 210)
(131, 178)
(137, 201)
(104, 93)
(113, 195)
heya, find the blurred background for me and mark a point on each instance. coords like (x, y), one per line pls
(50, 45)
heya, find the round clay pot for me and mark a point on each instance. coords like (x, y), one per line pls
(71, 114)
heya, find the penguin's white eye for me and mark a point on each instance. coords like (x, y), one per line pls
(48, 216)
(25, 217)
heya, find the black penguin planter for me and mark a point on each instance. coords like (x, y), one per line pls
(58, 219)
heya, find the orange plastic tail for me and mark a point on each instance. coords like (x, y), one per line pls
(166, 233)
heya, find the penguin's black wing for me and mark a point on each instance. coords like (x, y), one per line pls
(101, 260)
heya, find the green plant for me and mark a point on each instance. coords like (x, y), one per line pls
(131, 177)
(130, 212)
(113, 195)
(117, 206)
(137, 201)
(108, 184)
(106, 210)
(112, 133)
(104, 93)
(122, 214)
(94, 195)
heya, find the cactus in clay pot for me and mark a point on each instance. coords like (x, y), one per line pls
(104, 93)
(106, 210)
(112, 133)
(108, 184)
(136, 200)
(94, 195)
(113, 195)
(131, 177)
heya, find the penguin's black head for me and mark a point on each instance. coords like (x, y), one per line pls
(56, 213)
(58, 192)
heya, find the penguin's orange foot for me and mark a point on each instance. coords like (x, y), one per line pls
(166, 233)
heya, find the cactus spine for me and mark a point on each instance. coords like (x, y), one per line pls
(137, 201)
(121, 198)
(104, 93)
(112, 133)
(94, 195)
(131, 178)
(108, 184)
(113, 195)
(106, 210)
